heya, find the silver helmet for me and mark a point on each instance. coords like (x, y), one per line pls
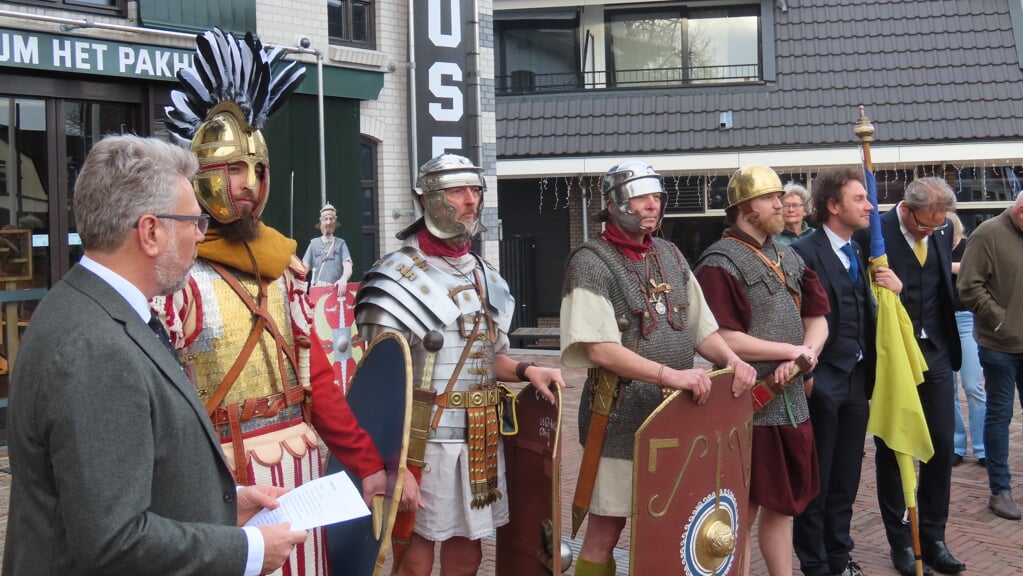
(626, 181)
(439, 174)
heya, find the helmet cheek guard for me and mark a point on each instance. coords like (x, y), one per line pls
(439, 174)
(628, 180)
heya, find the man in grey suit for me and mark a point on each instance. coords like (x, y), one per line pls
(116, 468)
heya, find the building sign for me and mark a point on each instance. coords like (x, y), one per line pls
(39, 51)
(446, 115)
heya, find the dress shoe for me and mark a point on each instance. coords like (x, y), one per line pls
(1002, 505)
(904, 562)
(937, 556)
(851, 569)
(957, 459)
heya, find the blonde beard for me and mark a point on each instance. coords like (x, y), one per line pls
(771, 225)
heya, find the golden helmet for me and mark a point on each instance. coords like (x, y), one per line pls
(224, 139)
(752, 181)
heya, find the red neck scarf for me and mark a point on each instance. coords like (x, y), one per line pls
(626, 247)
(433, 246)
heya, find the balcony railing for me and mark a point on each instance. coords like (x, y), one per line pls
(529, 82)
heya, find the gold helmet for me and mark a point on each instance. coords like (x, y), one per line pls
(750, 182)
(218, 113)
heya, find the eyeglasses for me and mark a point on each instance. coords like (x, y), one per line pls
(793, 206)
(202, 221)
(924, 227)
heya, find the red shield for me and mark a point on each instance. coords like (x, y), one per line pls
(334, 321)
(691, 484)
(533, 474)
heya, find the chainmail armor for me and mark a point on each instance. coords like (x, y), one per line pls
(775, 316)
(597, 267)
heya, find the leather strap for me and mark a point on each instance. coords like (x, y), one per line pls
(239, 363)
(241, 464)
(765, 390)
(774, 267)
(458, 369)
(604, 391)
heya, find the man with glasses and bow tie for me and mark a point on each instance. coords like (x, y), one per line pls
(838, 397)
(919, 243)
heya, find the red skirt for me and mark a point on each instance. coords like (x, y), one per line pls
(784, 475)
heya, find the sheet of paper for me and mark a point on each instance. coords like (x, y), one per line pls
(323, 501)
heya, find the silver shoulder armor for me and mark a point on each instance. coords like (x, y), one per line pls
(498, 295)
(399, 292)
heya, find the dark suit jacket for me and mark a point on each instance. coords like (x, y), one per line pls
(115, 466)
(901, 259)
(815, 249)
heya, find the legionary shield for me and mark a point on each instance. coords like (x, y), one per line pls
(530, 543)
(334, 321)
(380, 396)
(690, 476)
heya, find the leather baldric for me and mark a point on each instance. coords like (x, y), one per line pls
(263, 321)
(605, 389)
(774, 268)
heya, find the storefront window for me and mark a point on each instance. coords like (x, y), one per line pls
(107, 6)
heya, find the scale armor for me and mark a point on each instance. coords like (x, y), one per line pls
(599, 268)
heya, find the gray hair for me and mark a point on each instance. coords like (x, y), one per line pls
(797, 189)
(930, 194)
(123, 179)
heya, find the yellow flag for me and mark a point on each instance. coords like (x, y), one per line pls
(896, 415)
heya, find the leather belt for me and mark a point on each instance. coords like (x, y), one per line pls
(469, 398)
(265, 407)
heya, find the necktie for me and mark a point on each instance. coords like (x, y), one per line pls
(854, 266)
(920, 249)
(157, 327)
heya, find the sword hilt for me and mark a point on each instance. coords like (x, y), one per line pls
(765, 390)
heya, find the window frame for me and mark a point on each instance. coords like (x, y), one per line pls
(347, 24)
(370, 226)
(120, 7)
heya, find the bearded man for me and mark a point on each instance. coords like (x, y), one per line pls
(455, 309)
(241, 325)
(771, 310)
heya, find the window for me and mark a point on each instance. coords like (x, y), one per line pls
(536, 51)
(369, 186)
(351, 22)
(96, 6)
(681, 45)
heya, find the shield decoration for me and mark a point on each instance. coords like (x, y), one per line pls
(533, 478)
(691, 469)
(380, 396)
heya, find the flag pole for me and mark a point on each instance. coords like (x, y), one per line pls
(864, 130)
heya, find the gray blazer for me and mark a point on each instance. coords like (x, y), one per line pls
(115, 466)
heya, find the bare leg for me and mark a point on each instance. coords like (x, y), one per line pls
(748, 552)
(602, 533)
(418, 558)
(775, 535)
(460, 557)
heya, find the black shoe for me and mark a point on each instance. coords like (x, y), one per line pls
(957, 459)
(937, 556)
(851, 569)
(904, 562)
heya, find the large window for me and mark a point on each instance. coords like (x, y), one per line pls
(537, 51)
(97, 6)
(682, 45)
(351, 22)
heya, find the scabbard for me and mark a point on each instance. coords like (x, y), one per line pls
(419, 432)
(605, 390)
(765, 390)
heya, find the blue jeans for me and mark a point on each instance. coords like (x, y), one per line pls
(969, 375)
(1001, 372)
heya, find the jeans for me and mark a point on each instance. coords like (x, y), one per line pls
(969, 375)
(1001, 374)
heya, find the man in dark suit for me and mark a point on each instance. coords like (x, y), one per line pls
(919, 245)
(844, 377)
(116, 468)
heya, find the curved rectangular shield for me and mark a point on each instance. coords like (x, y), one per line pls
(691, 471)
(380, 396)
(533, 476)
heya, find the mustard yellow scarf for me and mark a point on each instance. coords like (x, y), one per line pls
(271, 252)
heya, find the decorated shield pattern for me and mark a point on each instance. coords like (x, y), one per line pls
(380, 396)
(334, 321)
(533, 463)
(691, 472)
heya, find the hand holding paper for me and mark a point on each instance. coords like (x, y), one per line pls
(323, 501)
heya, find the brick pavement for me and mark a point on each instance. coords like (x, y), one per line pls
(987, 544)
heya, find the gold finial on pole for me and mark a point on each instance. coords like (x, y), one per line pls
(864, 130)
